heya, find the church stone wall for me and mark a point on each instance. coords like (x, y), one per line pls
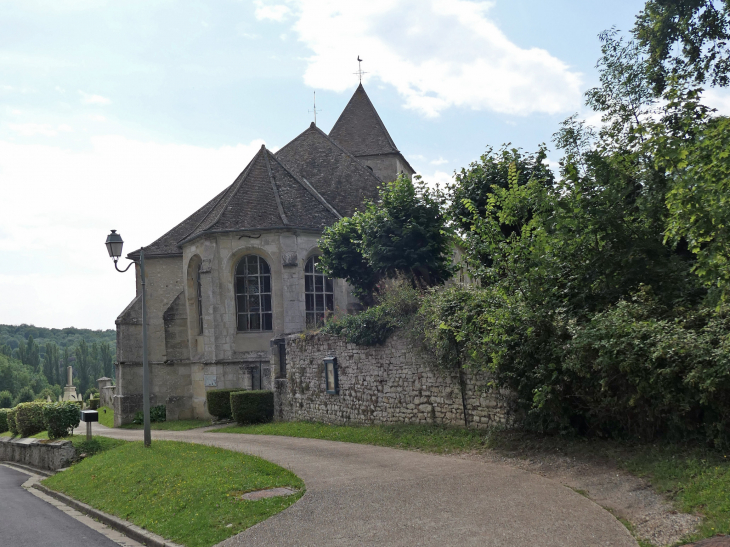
(393, 383)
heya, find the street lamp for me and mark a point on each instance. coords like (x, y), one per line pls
(114, 245)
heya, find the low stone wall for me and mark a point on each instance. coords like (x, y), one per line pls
(392, 383)
(43, 455)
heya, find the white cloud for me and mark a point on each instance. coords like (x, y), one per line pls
(97, 118)
(439, 161)
(90, 98)
(55, 270)
(30, 129)
(719, 99)
(440, 178)
(437, 54)
(276, 12)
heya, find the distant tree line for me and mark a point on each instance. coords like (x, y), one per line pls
(33, 361)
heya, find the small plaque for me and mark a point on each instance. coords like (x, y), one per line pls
(211, 380)
(289, 259)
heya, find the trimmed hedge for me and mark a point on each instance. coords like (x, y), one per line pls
(157, 414)
(93, 404)
(252, 407)
(4, 419)
(60, 418)
(219, 402)
(29, 418)
(12, 424)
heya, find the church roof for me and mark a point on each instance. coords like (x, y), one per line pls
(360, 130)
(334, 172)
(266, 195)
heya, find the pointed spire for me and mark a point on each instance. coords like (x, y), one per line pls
(359, 128)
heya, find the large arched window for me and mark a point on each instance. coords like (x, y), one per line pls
(253, 294)
(318, 294)
(199, 288)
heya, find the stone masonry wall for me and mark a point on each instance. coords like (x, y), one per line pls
(393, 383)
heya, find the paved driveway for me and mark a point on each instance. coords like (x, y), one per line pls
(372, 496)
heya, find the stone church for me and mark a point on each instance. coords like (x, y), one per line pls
(243, 270)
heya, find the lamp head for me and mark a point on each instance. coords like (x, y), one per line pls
(114, 244)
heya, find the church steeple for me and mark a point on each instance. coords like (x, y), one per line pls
(361, 132)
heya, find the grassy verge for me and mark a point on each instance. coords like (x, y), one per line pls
(697, 480)
(106, 416)
(431, 438)
(177, 425)
(184, 492)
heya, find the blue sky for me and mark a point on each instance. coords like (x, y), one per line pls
(130, 115)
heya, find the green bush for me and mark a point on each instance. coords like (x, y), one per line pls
(397, 303)
(45, 394)
(29, 417)
(93, 404)
(91, 392)
(3, 420)
(252, 407)
(219, 402)
(6, 399)
(157, 414)
(60, 418)
(12, 424)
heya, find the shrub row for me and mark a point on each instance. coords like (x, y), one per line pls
(27, 419)
(219, 402)
(246, 407)
(3, 419)
(252, 407)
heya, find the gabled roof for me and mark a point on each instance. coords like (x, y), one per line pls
(360, 130)
(334, 172)
(266, 195)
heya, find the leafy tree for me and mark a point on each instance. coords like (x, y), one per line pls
(404, 232)
(6, 350)
(6, 399)
(482, 178)
(25, 395)
(685, 39)
(699, 200)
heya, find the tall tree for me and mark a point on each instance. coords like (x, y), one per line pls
(107, 361)
(51, 362)
(83, 365)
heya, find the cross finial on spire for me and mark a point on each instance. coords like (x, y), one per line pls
(359, 68)
(314, 109)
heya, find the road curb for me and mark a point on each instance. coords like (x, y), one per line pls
(130, 530)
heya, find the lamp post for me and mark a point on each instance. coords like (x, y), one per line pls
(114, 245)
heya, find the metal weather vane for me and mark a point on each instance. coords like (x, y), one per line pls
(360, 71)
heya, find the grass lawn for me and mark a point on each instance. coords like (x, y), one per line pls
(176, 425)
(431, 438)
(696, 479)
(106, 416)
(183, 492)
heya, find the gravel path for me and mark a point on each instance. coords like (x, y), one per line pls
(373, 496)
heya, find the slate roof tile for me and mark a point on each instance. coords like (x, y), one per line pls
(340, 178)
(360, 130)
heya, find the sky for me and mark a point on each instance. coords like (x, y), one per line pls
(131, 115)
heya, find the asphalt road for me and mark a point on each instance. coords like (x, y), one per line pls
(27, 521)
